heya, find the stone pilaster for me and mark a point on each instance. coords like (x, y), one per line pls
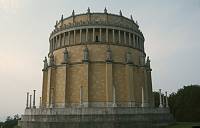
(81, 95)
(45, 88)
(85, 83)
(143, 100)
(66, 78)
(145, 89)
(109, 84)
(129, 80)
(51, 87)
(149, 85)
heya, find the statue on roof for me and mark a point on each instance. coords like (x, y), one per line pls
(148, 63)
(120, 13)
(131, 17)
(73, 13)
(51, 59)
(88, 10)
(45, 63)
(105, 10)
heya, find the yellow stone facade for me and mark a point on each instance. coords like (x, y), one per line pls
(97, 60)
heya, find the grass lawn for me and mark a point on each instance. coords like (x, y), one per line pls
(184, 125)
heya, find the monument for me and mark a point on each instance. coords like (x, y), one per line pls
(97, 76)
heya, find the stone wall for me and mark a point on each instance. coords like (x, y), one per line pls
(96, 118)
(68, 79)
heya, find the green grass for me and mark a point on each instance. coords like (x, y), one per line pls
(184, 125)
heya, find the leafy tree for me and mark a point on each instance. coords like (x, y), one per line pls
(10, 122)
(185, 104)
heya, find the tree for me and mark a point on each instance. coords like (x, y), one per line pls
(11, 122)
(185, 104)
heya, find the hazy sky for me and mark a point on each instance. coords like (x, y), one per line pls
(171, 29)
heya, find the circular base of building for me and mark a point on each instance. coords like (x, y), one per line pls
(96, 118)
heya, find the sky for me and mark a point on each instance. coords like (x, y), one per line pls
(172, 40)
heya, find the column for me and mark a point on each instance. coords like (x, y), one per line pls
(167, 105)
(119, 37)
(106, 34)
(163, 100)
(134, 43)
(93, 35)
(125, 38)
(100, 36)
(74, 36)
(34, 99)
(109, 84)
(27, 97)
(86, 38)
(30, 105)
(113, 35)
(160, 95)
(129, 37)
(68, 37)
(64, 38)
(60, 40)
(40, 102)
(80, 35)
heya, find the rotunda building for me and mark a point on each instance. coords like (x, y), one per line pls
(96, 75)
(97, 60)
